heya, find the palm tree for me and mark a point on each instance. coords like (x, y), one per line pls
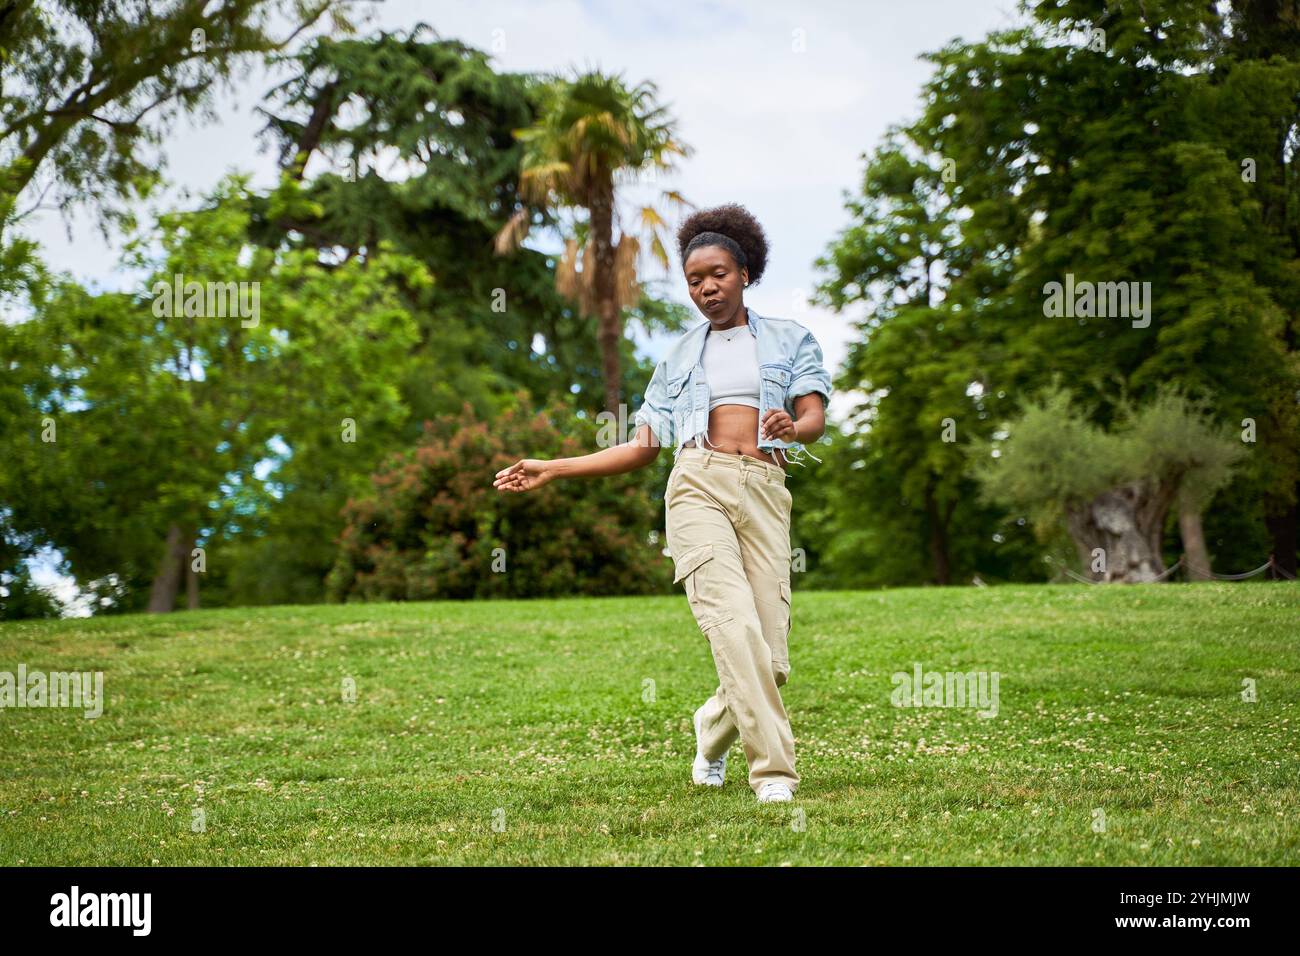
(591, 130)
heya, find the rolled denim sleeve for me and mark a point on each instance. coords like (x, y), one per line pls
(655, 411)
(810, 374)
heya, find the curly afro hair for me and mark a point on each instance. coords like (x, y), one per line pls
(733, 228)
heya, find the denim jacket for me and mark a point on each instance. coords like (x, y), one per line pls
(676, 405)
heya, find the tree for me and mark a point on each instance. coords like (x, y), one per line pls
(1090, 144)
(149, 420)
(1111, 489)
(90, 86)
(1253, 108)
(903, 257)
(592, 128)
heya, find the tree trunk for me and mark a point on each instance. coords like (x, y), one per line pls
(938, 540)
(609, 333)
(167, 580)
(1125, 523)
(191, 584)
(1281, 526)
(1193, 535)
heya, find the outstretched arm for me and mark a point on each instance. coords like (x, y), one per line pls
(530, 473)
(637, 453)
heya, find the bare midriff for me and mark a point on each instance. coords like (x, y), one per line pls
(732, 429)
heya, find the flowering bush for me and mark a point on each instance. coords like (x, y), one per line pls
(434, 526)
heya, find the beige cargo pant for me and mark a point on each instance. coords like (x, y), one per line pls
(728, 531)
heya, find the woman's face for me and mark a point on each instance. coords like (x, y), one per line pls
(715, 283)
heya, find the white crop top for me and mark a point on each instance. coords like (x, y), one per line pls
(730, 363)
(731, 367)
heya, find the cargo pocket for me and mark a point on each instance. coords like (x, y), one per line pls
(697, 571)
(781, 647)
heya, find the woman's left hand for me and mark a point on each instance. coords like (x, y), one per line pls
(778, 424)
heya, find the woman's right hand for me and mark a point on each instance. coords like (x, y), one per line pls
(527, 474)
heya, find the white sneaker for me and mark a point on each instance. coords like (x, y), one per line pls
(709, 773)
(774, 791)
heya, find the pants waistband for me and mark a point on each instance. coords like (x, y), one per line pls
(708, 458)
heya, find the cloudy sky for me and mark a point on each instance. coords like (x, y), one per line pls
(778, 102)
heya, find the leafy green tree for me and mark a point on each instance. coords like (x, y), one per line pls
(919, 360)
(89, 87)
(1090, 144)
(152, 417)
(1252, 106)
(1096, 142)
(88, 92)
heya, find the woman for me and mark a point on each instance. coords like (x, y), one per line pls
(731, 397)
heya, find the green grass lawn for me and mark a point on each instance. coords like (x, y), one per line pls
(524, 732)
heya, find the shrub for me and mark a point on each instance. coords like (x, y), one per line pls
(434, 526)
